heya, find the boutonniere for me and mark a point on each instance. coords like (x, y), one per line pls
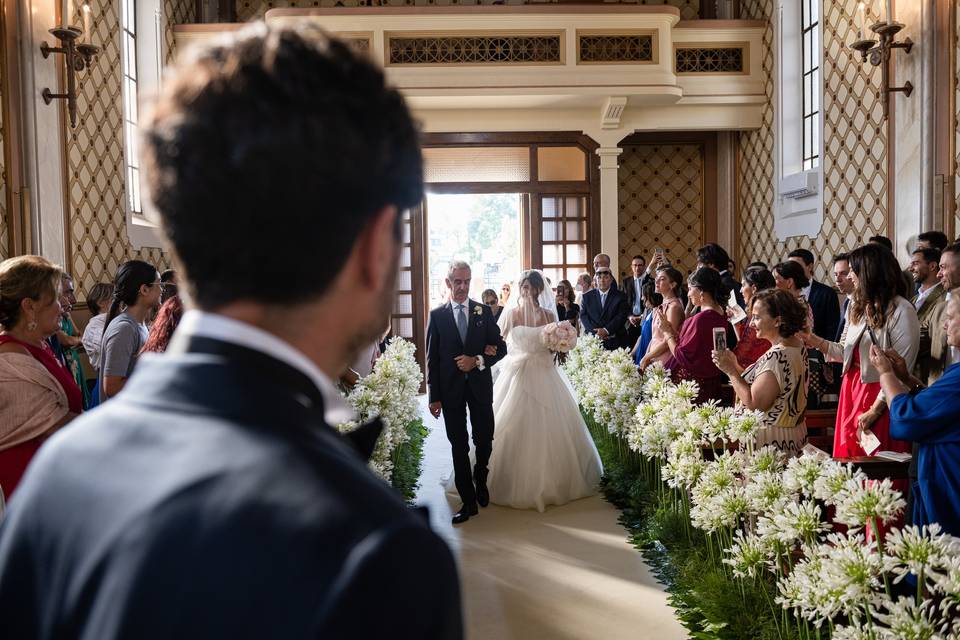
(478, 310)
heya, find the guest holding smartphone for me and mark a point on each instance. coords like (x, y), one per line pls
(567, 309)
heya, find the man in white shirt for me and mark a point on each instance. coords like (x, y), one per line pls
(841, 277)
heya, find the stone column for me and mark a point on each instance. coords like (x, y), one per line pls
(610, 205)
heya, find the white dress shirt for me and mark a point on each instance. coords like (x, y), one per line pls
(923, 294)
(212, 325)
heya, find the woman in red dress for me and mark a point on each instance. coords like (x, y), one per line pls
(879, 314)
(38, 395)
(750, 346)
(690, 352)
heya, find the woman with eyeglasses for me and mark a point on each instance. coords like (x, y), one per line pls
(136, 294)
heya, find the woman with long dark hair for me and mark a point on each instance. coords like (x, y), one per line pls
(880, 315)
(668, 282)
(750, 346)
(136, 293)
(690, 351)
(161, 331)
(567, 307)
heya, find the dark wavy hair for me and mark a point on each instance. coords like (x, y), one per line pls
(675, 277)
(276, 128)
(161, 331)
(126, 286)
(714, 255)
(880, 282)
(791, 270)
(649, 293)
(571, 293)
(709, 281)
(534, 279)
(785, 306)
(759, 278)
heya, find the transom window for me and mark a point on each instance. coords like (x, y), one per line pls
(810, 43)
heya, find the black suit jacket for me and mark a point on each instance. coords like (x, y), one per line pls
(631, 292)
(826, 309)
(446, 383)
(734, 285)
(210, 500)
(612, 316)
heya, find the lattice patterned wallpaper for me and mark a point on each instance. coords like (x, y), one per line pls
(176, 12)
(254, 9)
(855, 156)
(95, 166)
(661, 202)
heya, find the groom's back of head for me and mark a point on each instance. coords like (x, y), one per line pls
(274, 148)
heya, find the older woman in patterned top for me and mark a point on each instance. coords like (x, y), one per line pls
(776, 383)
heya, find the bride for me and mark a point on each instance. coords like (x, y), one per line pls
(542, 451)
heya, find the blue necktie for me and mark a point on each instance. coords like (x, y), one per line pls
(462, 323)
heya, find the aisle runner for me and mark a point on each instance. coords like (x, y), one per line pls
(565, 574)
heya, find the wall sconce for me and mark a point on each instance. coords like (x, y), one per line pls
(878, 52)
(77, 56)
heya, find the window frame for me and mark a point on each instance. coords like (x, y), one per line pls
(798, 141)
(145, 29)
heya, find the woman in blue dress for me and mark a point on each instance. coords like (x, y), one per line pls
(931, 418)
(651, 300)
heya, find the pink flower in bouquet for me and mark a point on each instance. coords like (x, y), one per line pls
(550, 328)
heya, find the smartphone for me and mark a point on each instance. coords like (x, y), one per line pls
(658, 250)
(873, 337)
(719, 339)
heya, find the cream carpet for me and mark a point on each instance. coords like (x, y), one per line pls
(565, 574)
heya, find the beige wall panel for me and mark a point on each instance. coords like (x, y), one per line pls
(95, 165)
(176, 12)
(855, 156)
(255, 9)
(661, 203)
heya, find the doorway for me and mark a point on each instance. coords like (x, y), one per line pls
(483, 229)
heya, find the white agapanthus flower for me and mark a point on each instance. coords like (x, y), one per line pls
(766, 492)
(851, 575)
(744, 426)
(802, 472)
(390, 392)
(749, 554)
(920, 551)
(832, 480)
(863, 501)
(906, 620)
(798, 522)
(765, 459)
(852, 632)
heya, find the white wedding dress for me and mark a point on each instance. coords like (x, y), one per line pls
(543, 453)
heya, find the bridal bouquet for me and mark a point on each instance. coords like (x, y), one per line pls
(560, 338)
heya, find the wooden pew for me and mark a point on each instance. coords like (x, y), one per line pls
(878, 468)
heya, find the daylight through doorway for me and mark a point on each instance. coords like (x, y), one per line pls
(482, 229)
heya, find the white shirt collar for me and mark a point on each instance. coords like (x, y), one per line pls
(805, 292)
(213, 325)
(923, 294)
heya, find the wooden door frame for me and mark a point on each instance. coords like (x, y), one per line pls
(528, 189)
(17, 201)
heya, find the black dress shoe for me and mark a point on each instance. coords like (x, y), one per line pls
(464, 514)
(483, 495)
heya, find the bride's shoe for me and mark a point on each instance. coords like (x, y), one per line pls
(464, 514)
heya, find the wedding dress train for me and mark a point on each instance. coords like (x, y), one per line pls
(543, 453)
